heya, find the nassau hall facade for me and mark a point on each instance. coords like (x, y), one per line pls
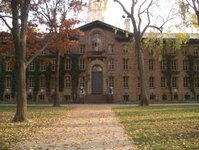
(107, 62)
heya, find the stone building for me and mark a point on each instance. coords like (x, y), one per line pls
(108, 65)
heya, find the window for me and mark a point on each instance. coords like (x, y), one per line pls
(67, 97)
(82, 81)
(8, 66)
(184, 50)
(111, 81)
(174, 82)
(185, 65)
(125, 82)
(7, 96)
(42, 66)
(82, 49)
(111, 64)
(196, 66)
(163, 65)
(152, 97)
(151, 53)
(174, 65)
(31, 82)
(81, 64)
(164, 97)
(125, 63)
(175, 97)
(31, 67)
(125, 48)
(126, 98)
(41, 96)
(110, 48)
(67, 81)
(67, 64)
(196, 51)
(163, 82)
(173, 52)
(151, 82)
(68, 51)
(7, 82)
(138, 82)
(163, 51)
(186, 82)
(187, 96)
(53, 65)
(29, 97)
(151, 64)
(196, 82)
(42, 82)
(52, 82)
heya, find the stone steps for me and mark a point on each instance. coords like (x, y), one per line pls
(96, 99)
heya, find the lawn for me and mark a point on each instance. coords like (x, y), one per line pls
(162, 128)
(11, 133)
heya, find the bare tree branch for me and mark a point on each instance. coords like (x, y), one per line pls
(148, 16)
(6, 23)
(140, 13)
(124, 9)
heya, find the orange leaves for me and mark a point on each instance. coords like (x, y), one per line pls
(73, 45)
(6, 44)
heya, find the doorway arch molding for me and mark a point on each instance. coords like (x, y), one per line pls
(104, 74)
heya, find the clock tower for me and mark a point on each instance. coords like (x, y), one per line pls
(96, 10)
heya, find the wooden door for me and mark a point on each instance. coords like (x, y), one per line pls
(97, 82)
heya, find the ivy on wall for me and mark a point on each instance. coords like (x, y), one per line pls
(13, 83)
(191, 73)
(169, 73)
(74, 72)
(2, 78)
(61, 74)
(48, 74)
(36, 78)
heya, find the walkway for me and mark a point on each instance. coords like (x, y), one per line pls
(87, 127)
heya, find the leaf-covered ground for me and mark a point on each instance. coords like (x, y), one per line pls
(155, 128)
(11, 133)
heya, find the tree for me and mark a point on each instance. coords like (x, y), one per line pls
(18, 12)
(54, 14)
(187, 8)
(140, 11)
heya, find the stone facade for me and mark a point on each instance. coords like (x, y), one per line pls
(108, 61)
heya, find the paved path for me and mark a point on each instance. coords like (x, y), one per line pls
(87, 127)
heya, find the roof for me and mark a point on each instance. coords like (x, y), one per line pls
(121, 34)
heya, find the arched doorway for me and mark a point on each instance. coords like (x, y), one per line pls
(97, 80)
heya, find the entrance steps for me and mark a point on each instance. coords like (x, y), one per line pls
(96, 99)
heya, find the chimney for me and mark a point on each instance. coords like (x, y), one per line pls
(127, 24)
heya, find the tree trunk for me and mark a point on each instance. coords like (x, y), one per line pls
(57, 95)
(144, 97)
(19, 38)
(21, 93)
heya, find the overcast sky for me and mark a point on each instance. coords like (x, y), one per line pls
(114, 14)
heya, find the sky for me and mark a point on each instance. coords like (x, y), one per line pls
(114, 14)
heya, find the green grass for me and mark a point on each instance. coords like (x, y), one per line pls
(11, 133)
(162, 128)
